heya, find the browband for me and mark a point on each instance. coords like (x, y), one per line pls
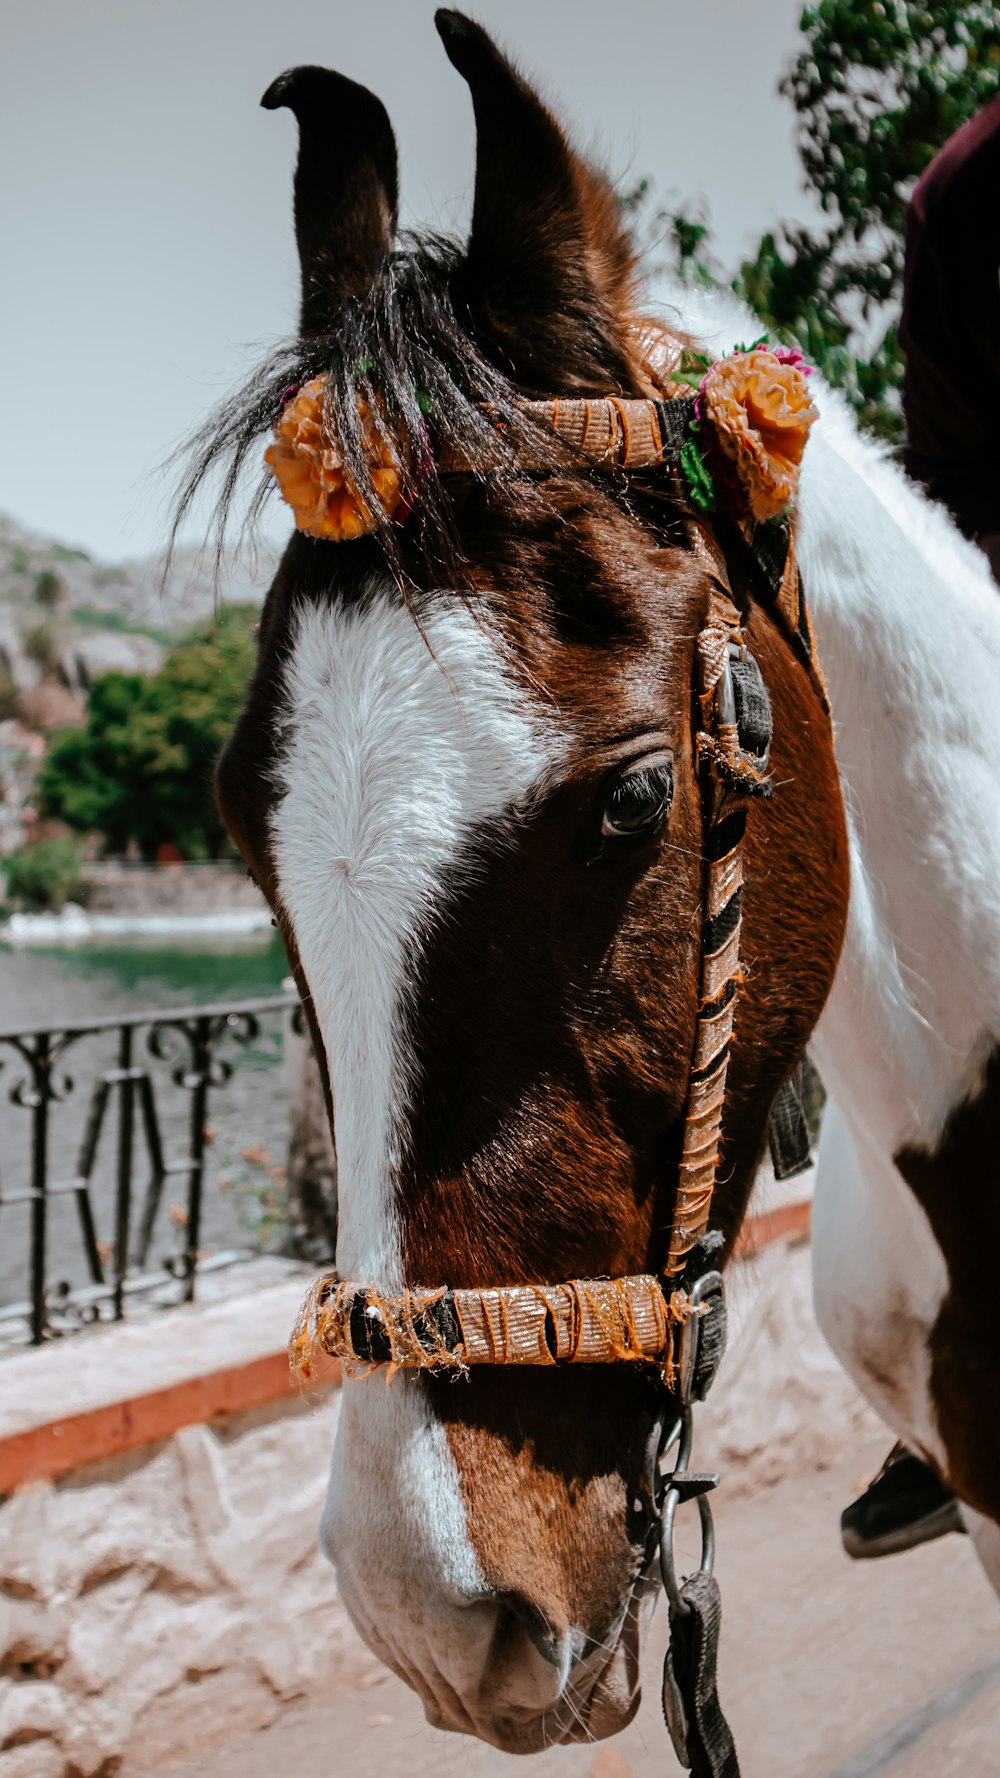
(614, 432)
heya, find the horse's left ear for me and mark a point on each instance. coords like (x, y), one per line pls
(548, 273)
(346, 187)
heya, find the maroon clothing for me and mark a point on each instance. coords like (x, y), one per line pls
(950, 326)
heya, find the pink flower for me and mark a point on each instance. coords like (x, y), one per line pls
(791, 355)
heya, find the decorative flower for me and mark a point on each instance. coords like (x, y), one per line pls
(759, 410)
(790, 355)
(308, 465)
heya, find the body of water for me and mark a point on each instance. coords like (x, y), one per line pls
(48, 988)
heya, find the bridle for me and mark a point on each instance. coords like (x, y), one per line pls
(674, 1323)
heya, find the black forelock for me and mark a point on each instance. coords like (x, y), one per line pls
(408, 344)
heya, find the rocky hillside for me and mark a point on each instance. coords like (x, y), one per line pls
(65, 615)
(128, 594)
(65, 619)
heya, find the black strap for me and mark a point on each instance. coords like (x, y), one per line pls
(769, 551)
(788, 1131)
(700, 1733)
(713, 1330)
(675, 417)
(754, 722)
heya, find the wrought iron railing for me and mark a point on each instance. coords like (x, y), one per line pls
(133, 1067)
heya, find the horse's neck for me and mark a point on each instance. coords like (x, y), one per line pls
(908, 631)
(907, 624)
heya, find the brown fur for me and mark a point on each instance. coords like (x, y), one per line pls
(965, 1343)
(567, 1165)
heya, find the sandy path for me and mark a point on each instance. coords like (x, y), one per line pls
(829, 1670)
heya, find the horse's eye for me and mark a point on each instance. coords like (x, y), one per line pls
(639, 802)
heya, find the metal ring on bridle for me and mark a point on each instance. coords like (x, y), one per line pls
(676, 1493)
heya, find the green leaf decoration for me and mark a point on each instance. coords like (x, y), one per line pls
(697, 476)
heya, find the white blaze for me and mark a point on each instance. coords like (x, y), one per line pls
(395, 746)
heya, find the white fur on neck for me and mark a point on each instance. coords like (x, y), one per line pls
(907, 623)
(395, 746)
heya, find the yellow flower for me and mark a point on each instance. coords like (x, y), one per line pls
(308, 466)
(760, 411)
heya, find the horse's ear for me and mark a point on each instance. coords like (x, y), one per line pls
(346, 187)
(549, 266)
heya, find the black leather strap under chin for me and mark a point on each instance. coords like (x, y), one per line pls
(701, 1736)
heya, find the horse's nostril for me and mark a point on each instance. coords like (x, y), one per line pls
(527, 1663)
(518, 1614)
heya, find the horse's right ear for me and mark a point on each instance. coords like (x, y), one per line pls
(548, 269)
(346, 187)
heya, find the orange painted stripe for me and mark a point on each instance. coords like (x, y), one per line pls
(790, 1222)
(46, 1451)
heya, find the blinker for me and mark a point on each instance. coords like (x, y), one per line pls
(742, 703)
(752, 706)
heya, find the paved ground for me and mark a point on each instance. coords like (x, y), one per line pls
(830, 1669)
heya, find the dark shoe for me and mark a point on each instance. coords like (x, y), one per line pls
(905, 1505)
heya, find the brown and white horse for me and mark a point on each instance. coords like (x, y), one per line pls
(465, 778)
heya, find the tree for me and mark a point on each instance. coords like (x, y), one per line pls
(41, 645)
(44, 875)
(50, 589)
(878, 90)
(878, 87)
(141, 768)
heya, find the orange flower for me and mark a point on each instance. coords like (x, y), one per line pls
(308, 466)
(760, 411)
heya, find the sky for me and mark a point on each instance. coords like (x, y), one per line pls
(149, 259)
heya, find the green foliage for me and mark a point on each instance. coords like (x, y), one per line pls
(46, 875)
(40, 644)
(691, 245)
(60, 553)
(92, 617)
(878, 87)
(49, 589)
(631, 201)
(141, 769)
(10, 701)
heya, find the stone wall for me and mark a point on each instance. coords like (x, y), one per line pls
(114, 888)
(149, 1603)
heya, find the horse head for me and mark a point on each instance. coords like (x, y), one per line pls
(467, 779)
